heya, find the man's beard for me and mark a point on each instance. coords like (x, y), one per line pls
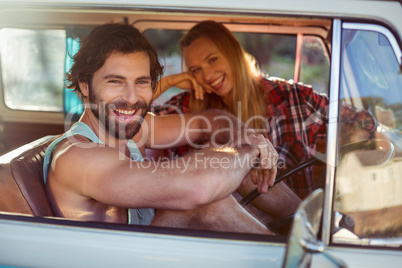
(119, 130)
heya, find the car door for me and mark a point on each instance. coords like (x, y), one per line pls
(27, 241)
(48, 242)
(362, 221)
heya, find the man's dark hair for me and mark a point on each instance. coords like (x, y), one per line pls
(100, 44)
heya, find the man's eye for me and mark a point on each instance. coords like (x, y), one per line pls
(144, 82)
(114, 81)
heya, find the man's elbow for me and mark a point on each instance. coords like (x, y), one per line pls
(203, 192)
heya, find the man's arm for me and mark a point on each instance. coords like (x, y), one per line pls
(217, 127)
(186, 183)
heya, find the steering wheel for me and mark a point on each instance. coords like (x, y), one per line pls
(282, 226)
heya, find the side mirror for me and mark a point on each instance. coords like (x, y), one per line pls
(302, 241)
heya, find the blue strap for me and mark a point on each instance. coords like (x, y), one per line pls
(78, 128)
(134, 151)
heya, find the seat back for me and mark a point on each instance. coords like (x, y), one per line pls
(21, 180)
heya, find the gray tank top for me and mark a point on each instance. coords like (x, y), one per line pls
(142, 216)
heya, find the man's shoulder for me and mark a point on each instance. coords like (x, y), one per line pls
(69, 150)
(75, 161)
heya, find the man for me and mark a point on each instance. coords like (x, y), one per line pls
(90, 173)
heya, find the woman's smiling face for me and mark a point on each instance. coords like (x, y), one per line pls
(209, 66)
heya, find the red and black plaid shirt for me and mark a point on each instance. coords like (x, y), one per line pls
(296, 121)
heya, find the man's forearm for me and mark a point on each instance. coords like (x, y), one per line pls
(221, 127)
(221, 170)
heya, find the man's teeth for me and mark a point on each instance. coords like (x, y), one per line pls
(214, 84)
(125, 112)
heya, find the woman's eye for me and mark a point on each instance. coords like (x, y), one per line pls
(195, 70)
(213, 59)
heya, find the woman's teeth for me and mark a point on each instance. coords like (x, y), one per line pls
(217, 82)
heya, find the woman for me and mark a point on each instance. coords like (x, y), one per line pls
(227, 86)
(291, 115)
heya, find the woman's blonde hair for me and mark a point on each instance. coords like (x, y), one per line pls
(248, 100)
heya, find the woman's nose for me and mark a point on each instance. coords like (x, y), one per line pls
(207, 73)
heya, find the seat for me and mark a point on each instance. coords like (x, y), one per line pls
(21, 181)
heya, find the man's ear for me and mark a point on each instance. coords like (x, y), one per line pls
(84, 88)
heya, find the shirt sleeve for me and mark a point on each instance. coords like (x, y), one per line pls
(178, 104)
(317, 109)
(350, 116)
(359, 119)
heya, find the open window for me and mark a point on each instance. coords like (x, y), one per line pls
(286, 52)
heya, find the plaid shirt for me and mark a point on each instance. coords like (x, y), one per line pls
(296, 121)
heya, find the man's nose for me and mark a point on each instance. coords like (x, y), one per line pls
(130, 94)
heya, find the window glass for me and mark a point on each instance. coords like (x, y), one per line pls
(32, 67)
(274, 53)
(368, 193)
(166, 42)
(314, 68)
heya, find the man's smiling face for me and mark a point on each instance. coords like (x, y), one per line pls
(120, 93)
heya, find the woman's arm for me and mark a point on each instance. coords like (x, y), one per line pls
(183, 81)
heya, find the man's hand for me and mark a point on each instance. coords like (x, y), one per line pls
(264, 173)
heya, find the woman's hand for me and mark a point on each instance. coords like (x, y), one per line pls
(183, 81)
